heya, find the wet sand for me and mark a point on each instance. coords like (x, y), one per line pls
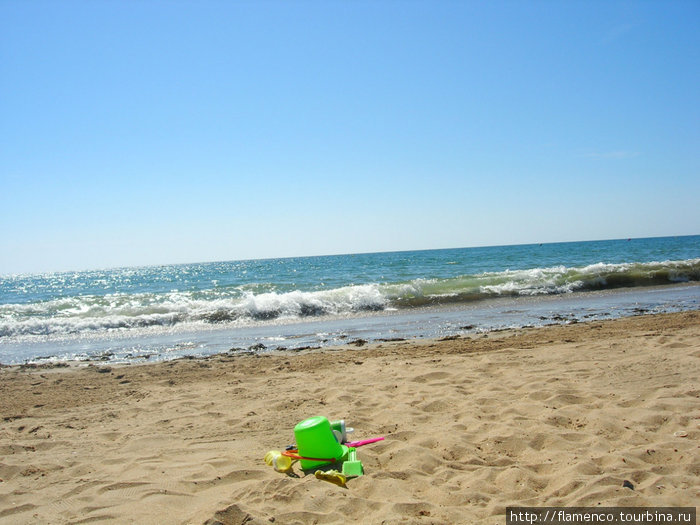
(560, 415)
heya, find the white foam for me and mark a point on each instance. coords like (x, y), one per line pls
(123, 312)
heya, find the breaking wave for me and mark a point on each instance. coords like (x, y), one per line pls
(118, 312)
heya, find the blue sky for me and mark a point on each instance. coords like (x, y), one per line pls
(163, 132)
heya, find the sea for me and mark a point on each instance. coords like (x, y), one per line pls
(154, 313)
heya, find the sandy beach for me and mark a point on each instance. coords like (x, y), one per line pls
(558, 416)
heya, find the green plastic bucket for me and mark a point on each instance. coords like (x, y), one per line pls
(315, 439)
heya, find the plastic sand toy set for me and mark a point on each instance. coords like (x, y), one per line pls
(321, 443)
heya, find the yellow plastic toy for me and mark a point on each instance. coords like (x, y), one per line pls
(332, 476)
(278, 461)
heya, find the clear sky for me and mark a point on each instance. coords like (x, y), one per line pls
(149, 132)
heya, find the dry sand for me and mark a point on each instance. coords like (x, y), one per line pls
(558, 415)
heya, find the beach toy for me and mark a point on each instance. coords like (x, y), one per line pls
(278, 461)
(319, 442)
(333, 476)
(356, 444)
(352, 467)
(316, 443)
(340, 431)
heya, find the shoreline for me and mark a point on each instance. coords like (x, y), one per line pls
(555, 415)
(514, 335)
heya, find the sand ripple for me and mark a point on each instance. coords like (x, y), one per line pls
(554, 416)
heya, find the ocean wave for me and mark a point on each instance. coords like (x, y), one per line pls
(548, 281)
(120, 312)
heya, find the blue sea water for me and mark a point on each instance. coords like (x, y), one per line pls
(197, 309)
